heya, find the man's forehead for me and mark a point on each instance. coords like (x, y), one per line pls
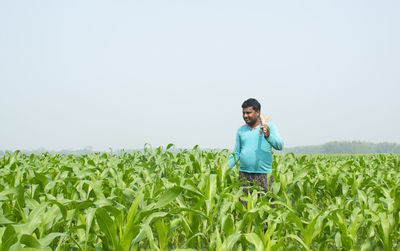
(248, 109)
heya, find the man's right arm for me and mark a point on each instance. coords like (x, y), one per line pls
(274, 138)
(233, 159)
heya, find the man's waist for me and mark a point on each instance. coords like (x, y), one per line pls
(254, 171)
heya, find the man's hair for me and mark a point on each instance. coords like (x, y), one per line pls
(251, 102)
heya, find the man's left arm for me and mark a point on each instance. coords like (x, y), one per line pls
(274, 138)
(233, 159)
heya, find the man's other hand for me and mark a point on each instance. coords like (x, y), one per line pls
(266, 130)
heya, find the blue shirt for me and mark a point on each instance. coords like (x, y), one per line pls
(254, 150)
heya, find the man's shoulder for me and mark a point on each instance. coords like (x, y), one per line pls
(243, 128)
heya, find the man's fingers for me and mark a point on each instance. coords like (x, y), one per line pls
(266, 130)
(265, 127)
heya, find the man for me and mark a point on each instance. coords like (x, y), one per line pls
(254, 143)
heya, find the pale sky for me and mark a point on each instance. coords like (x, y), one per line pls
(119, 74)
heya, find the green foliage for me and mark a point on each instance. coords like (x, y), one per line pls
(171, 199)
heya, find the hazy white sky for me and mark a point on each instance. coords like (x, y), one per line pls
(124, 73)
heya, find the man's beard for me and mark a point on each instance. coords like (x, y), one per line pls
(251, 122)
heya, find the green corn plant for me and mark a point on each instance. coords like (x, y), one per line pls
(176, 199)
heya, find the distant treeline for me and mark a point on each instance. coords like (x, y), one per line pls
(41, 150)
(330, 147)
(345, 147)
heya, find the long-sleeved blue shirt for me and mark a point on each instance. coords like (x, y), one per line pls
(254, 150)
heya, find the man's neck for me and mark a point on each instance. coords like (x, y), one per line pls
(255, 124)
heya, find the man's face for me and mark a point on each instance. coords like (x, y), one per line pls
(250, 116)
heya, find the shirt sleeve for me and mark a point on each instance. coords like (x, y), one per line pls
(234, 157)
(274, 138)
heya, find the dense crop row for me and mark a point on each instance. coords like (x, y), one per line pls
(160, 199)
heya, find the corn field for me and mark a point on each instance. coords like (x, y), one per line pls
(173, 199)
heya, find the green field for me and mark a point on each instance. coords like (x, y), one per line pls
(171, 199)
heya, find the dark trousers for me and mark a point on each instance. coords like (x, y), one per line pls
(259, 178)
